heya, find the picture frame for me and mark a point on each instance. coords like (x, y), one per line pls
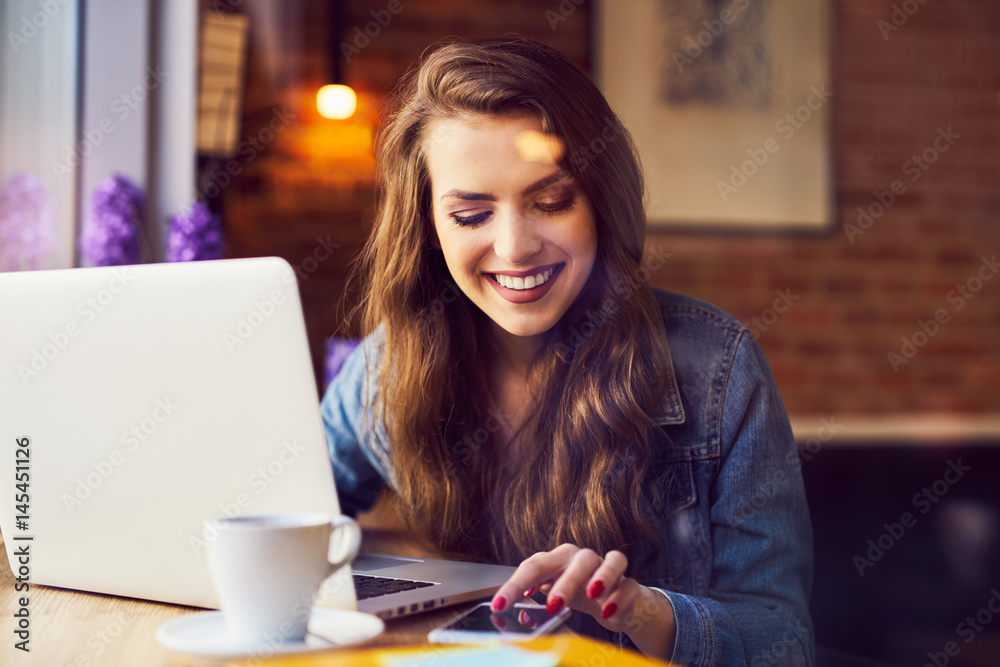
(729, 103)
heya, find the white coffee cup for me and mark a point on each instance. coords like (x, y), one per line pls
(267, 568)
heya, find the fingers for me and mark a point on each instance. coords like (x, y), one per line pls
(543, 587)
(574, 577)
(580, 569)
(612, 591)
(616, 608)
(532, 573)
(608, 575)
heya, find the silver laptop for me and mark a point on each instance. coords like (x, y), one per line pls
(137, 401)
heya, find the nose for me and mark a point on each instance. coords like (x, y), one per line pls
(517, 238)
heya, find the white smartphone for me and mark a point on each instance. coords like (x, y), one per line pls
(521, 622)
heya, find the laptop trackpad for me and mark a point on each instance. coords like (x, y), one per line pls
(370, 562)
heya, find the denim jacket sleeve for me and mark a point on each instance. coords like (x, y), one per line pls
(358, 450)
(754, 608)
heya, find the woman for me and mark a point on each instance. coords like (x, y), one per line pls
(532, 400)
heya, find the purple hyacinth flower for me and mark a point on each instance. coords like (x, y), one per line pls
(26, 234)
(110, 232)
(195, 235)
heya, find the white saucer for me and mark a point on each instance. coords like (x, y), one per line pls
(205, 634)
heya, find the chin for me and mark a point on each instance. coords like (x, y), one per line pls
(525, 327)
(525, 332)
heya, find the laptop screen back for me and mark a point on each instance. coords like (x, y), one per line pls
(148, 398)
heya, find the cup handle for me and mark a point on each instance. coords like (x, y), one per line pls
(352, 543)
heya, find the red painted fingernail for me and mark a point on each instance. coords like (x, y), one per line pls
(499, 604)
(609, 610)
(553, 606)
(528, 593)
(595, 589)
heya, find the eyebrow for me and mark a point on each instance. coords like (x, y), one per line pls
(486, 196)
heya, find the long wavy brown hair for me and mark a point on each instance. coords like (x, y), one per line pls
(592, 471)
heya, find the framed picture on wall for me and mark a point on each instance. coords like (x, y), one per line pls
(729, 103)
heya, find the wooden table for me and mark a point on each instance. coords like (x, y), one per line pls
(73, 629)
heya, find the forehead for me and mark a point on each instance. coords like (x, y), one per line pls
(478, 150)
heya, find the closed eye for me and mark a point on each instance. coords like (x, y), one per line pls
(471, 220)
(557, 207)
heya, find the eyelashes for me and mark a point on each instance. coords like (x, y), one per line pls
(470, 220)
(557, 207)
(546, 208)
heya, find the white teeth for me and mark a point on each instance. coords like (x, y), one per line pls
(530, 282)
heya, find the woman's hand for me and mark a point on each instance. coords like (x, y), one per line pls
(597, 586)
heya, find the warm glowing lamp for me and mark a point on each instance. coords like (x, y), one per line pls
(336, 101)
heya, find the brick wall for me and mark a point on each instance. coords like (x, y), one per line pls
(853, 297)
(857, 294)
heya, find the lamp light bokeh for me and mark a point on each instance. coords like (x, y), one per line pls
(336, 101)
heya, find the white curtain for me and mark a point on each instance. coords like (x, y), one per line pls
(38, 100)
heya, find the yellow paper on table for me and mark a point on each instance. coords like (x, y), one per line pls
(576, 651)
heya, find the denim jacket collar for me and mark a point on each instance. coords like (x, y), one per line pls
(671, 410)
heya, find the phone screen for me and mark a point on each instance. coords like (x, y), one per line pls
(516, 620)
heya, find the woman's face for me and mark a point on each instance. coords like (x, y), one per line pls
(517, 233)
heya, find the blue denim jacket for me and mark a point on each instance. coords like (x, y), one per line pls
(738, 568)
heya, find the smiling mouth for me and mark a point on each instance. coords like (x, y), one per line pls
(527, 282)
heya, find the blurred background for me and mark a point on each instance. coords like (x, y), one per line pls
(148, 130)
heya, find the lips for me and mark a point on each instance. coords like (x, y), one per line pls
(542, 277)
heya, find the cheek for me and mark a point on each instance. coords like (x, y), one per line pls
(461, 251)
(581, 237)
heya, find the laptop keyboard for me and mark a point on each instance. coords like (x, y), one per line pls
(370, 587)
